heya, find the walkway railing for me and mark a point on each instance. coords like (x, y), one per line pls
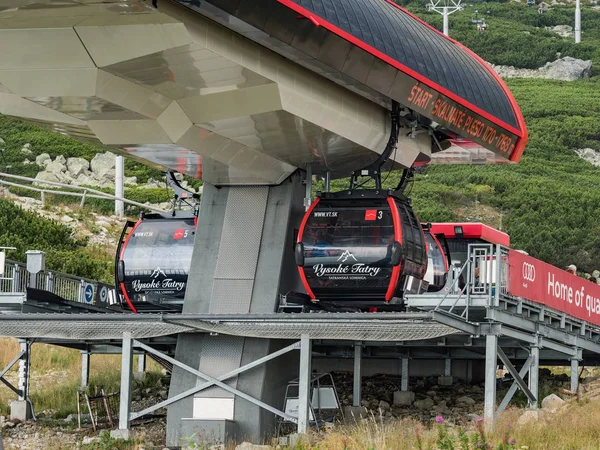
(77, 289)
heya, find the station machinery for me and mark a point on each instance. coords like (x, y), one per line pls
(359, 249)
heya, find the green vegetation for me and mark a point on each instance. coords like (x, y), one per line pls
(516, 34)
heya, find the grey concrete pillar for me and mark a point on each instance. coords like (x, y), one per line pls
(491, 364)
(534, 375)
(356, 392)
(304, 385)
(85, 368)
(243, 259)
(574, 374)
(24, 366)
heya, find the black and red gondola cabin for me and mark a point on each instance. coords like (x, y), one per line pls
(360, 247)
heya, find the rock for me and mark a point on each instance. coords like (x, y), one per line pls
(60, 159)
(26, 149)
(569, 69)
(103, 161)
(464, 400)
(105, 173)
(552, 402)
(77, 166)
(9, 424)
(26, 162)
(90, 440)
(250, 446)
(45, 176)
(528, 417)
(562, 30)
(365, 403)
(178, 176)
(424, 404)
(384, 406)
(164, 394)
(55, 167)
(43, 160)
(84, 180)
(130, 180)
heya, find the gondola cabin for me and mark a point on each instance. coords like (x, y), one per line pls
(153, 260)
(360, 248)
(437, 261)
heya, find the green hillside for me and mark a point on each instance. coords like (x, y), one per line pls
(549, 203)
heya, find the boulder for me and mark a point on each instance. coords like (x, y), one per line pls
(130, 180)
(45, 176)
(552, 402)
(562, 30)
(77, 166)
(528, 417)
(26, 148)
(569, 69)
(384, 406)
(250, 446)
(424, 404)
(43, 160)
(103, 161)
(464, 400)
(56, 167)
(60, 159)
(84, 180)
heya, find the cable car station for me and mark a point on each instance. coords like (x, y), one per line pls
(258, 98)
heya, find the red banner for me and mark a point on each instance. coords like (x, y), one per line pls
(539, 282)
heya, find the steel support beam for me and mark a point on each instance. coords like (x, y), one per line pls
(491, 364)
(356, 393)
(85, 368)
(24, 365)
(216, 382)
(141, 363)
(304, 384)
(534, 375)
(126, 366)
(574, 374)
(517, 377)
(404, 380)
(206, 385)
(513, 388)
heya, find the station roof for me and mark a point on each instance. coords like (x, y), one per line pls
(380, 50)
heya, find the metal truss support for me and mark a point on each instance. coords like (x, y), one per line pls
(514, 386)
(85, 368)
(356, 393)
(210, 381)
(574, 374)
(304, 384)
(534, 375)
(126, 365)
(404, 379)
(491, 364)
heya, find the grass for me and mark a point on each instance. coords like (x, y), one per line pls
(56, 376)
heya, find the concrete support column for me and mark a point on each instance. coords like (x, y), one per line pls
(445, 14)
(126, 365)
(574, 374)
(491, 364)
(577, 21)
(534, 376)
(356, 393)
(304, 384)
(404, 382)
(85, 368)
(119, 187)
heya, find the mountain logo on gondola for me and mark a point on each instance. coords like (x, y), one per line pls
(158, 271)
(346, 255)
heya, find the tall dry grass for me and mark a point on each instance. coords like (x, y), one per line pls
(575, 427)
(56, 375)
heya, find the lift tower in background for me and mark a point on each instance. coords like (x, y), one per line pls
(445, 8)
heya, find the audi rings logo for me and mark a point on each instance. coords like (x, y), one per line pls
(528, 272)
